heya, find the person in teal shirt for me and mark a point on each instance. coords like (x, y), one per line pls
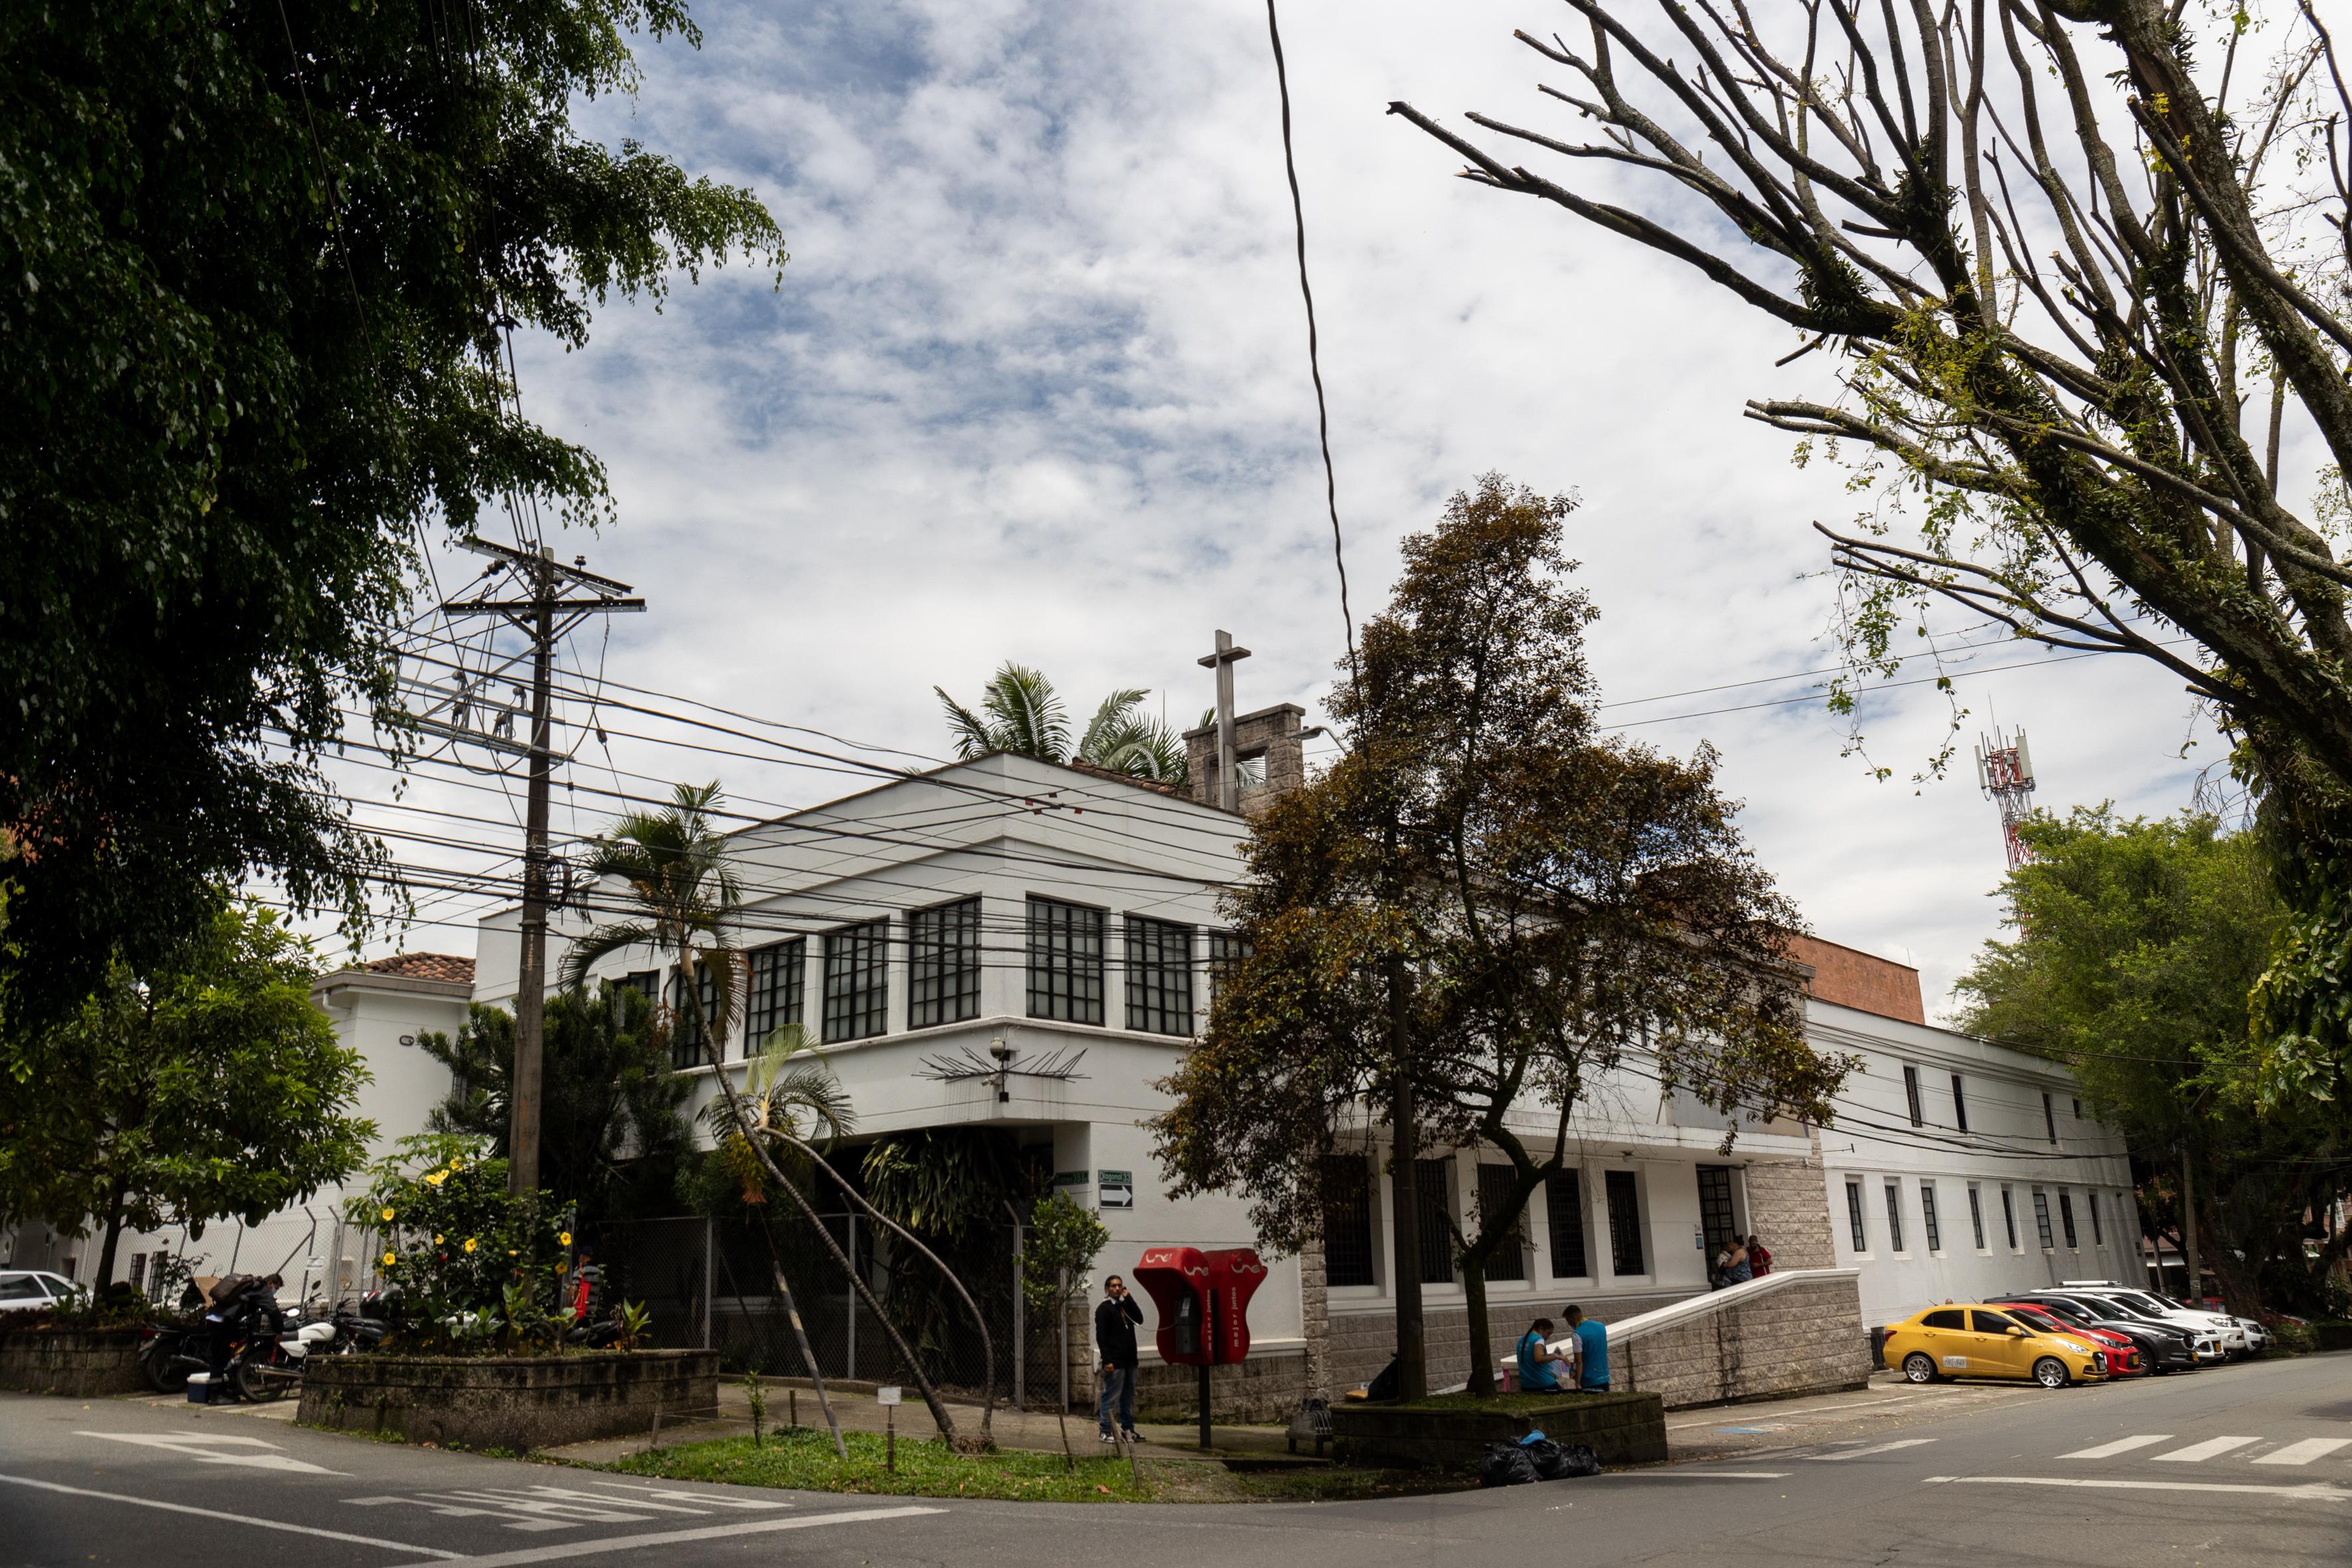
(1542, 1369)
(1591, 1350)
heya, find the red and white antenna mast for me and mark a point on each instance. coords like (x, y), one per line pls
(2005, 772)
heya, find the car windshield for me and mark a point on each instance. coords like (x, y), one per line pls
(2104, 1308)
(22, 1288)
(2145, 1303)
(2033, 1317)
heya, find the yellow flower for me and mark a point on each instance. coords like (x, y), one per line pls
(437, 1178)
(563, 1239)
(389, 1260)
(470, 1244)
(436, 1240)
(387, 1214)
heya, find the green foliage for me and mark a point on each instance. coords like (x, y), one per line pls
(205, 1087)
(255, 263)
(802, 1459)
(1063, 1243)
(611, 1135)
(2303, 1000)
(633, 1324)
(950, 1187)
(1022, 713)
(460, 1247)
(2135, 944)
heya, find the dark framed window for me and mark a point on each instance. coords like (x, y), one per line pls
(646, 982)
(1894, 1217)
(1975, 1217)
(1065, 962)
(2041, 1219)
(1225, 950)
(1946, 1317)
(685, 1028)
(2009, 1218)
(943, 964)
(1960, 1105)
(1911, 1095)
(1991, 1323)
(1854, 1217)
(1346, 1220)
(2066, 1219)
(1508, 1261)
(2049, 1118)
(1159, 976)
(857, 980)
(779, 975)
(1564, 1198)
(2090, 1202)
(1625, 1251)
(1927, 1217)
(1433, 1187)
(1716, 1226)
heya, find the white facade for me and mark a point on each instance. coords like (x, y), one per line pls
(1996, 1179)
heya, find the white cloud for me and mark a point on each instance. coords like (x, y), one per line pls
(1035, 386)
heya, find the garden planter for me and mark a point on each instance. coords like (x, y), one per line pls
(1444, 1434)
(519, 1402)
(79, 1363)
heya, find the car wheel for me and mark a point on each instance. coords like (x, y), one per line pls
(2050, 1373)
(1919, 1367)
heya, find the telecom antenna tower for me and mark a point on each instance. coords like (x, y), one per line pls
(2005, 772)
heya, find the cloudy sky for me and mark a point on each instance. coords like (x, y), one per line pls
(1033, 386)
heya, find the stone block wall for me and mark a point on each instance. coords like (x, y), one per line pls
(519, 1402)
(1620, 1428)
(1266, 1387)
(1802, 1338)
(1789, 1207)
(77, 1363)
(1362, 1342)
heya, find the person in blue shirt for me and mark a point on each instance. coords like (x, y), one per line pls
(1591, 1350)
(1542, 1369)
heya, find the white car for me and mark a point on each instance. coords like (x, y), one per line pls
(2257, 1336)
(2230, 1330)
(31, 1290)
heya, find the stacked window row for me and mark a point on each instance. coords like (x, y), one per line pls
(1350, 1247)
(1068, 965)
(1932, 1218)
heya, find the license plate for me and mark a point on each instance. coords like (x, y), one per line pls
(1954, 1363)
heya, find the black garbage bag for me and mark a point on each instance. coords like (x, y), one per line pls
(1384, 1386)
(1550, 1459)
(1506, 1465)
(1575, 1460)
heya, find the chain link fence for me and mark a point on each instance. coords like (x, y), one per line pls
(711, 1284)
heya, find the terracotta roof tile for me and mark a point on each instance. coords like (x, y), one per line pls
(424, 966)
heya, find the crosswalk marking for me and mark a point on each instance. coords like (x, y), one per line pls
(2120, 1445)
(2198, 1453)
(2303, 1453)
(1874, 1448)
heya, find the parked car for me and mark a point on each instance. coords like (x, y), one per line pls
(2123, 1352)
(31, 1290)
(1973, 1339)
(2204, 1343)
(2164, 1308)
(2162, 1349)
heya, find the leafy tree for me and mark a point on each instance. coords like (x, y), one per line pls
(613, 1137)
(1025, 716)
(1055, 1264)
(258, 264)
(1479, 908)
(2134, 943)
(2078, 288)
(956, 1187)
(205, 1088)
(473, 1260)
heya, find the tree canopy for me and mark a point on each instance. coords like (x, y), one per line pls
(258, 266)
(2136, 941)
(1022, 713)
(611, 1136)
(2080, 262)
(1482, 905)
(208, 1087)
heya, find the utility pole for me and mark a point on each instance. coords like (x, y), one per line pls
(1229, 784)
(544, 614)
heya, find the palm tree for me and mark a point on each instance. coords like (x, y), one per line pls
(678, 876)
(1022, 713)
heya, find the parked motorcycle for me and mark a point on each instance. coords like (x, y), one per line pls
(168, 1353)
(270, 1366)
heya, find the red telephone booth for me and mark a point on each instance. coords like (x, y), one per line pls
(1203, 1296)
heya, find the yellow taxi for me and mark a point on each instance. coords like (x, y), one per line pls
(1972, 1340)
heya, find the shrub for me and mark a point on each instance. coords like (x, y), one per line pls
(479, 1269)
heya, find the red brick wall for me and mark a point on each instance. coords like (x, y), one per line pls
(1858, 980)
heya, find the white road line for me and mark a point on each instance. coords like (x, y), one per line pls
(2198, 1453)
(1674, 1475)
(1874, 1448)
(429, 1551)
(675, 1537)
(199, 1445)
(2120, 1445)
(2315, 1489)
(2303, 1453)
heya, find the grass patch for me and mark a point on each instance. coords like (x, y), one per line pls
(803, 1458)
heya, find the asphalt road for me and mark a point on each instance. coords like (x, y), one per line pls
(2247, 1465)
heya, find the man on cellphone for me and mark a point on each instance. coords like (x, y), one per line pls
(1115, 1318)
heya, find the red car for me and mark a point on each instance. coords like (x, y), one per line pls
(2123, 1356)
